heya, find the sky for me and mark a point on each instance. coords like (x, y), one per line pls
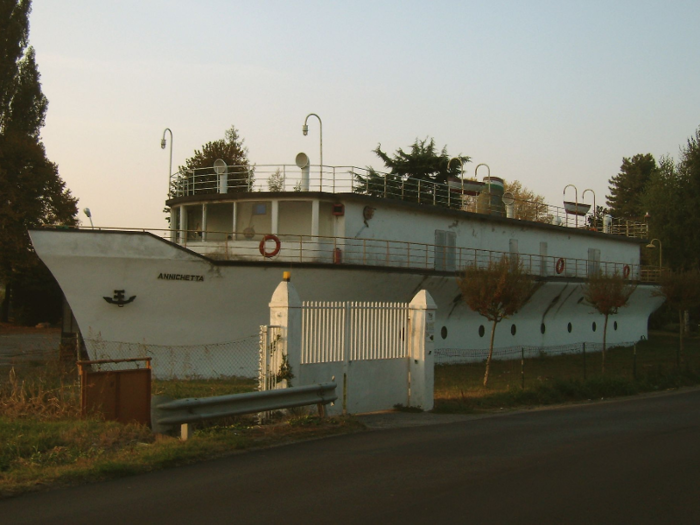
(549, 93)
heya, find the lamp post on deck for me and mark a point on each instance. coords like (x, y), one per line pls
(305, 131)
(651, 245)
(593, 215)
(162, 146)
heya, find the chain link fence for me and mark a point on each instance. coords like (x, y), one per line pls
(528, 365)
(235, 359)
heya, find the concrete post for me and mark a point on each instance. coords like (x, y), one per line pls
(421, 342)
(285, 312)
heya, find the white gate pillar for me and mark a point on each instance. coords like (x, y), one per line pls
(285, 312)
(420, 346)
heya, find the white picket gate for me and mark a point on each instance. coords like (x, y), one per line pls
(380, 354)
(337, 331)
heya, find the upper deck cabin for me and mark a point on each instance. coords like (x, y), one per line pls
(347, 215)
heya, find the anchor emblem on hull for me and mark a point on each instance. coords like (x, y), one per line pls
(119, 299)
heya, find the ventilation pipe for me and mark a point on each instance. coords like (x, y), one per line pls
(607, 223)
(221, 169)
(302, 161)
(509, 200)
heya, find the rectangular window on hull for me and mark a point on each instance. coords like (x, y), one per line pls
(593, 261)
(445, 251)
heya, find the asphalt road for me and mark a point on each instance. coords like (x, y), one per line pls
(632, 462)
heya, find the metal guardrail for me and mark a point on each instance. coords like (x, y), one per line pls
(234, 246)
(352, 179)
(167, 413)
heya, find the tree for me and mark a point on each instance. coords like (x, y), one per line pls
(199, 170)
(681, 289)
(627, 187)
(31, 191)
(496, 292)
(420, 175)
(607, 294)
(528, 205)
(275, 182)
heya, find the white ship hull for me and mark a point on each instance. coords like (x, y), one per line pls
(184, 299)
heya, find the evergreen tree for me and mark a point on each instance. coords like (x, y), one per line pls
(627, 187)
(672, 198)
(420, 175)
(199, 170)
(31, 191)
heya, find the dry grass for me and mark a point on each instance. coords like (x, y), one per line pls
(48, 392)
(559, 379)
(45, 442)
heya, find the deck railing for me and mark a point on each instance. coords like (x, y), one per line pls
(458, 195)
(231, 246)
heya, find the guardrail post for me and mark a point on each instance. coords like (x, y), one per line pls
(420, 346)
(285, 312)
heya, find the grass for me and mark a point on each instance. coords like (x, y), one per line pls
(45, 443)
(567, 378)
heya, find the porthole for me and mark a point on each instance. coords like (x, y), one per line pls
(482, 331)
(615, 325)
(443, 332)
(569, 327)
(593, 326)
(542, 328)
(513, 329)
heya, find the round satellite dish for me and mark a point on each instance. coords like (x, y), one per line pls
(508, 198)
(302, 160)
(220, 166)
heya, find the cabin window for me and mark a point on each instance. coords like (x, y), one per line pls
(253, 220)
(593, 261)
(219, 221)
(445, 250)
(194, 223)
(294, 218)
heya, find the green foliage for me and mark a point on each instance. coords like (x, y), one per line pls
(681, 289)
(412, 175)
(232, 151)
(276, 181)
(627, 187)
(31, 191)
(672, 198)
(562, 378)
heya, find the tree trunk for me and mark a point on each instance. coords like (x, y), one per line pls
(5, 305)
(488, 359)
(681, 319)
(605, 340)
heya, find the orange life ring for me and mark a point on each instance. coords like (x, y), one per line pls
(560, 265)
(274, 252)
(626, 271)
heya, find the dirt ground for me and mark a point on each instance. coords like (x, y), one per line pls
(27, 343)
